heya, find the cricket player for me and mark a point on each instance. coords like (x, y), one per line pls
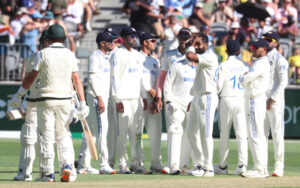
(127, 93)
(178, 83)
(231, 109)
(56, 67)
(153, 121)
(29, 131)
(256, 84)
(97, 99)
(275, 100)
(203, 106)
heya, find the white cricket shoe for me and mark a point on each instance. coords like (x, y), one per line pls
(160, 169)
(209, 173)
(240, 169)
(174, 170)
(107, 170)
(185, 169)
(23, 177)
(198, 171)
(221, 171)
(278, 173)
(124, 170)
(66, 174)
(254, 173)
(88, 170)
(46, 178)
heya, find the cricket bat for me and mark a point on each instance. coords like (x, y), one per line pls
(15, 114)
(89, 139)
(87, 133)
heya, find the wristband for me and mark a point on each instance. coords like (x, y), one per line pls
(22, 91)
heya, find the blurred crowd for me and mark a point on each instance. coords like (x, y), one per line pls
(221, 21)
(22, 22)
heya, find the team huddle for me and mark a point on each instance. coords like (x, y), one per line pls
(124, 95)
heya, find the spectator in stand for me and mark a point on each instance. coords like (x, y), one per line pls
(208, 7)
(270, 8)
(9, 7)
(236, 34)
(185, 5)
(177, 12)
(18, 22)
(247, 25)
(155, 17)
(262, 28)
(287, 10)
(287, 28)
(89, 9)
(222, 14)
(170, 37)
(58, 7)
(197, 18)
(137, 10)
(294, 73)
(73, 19)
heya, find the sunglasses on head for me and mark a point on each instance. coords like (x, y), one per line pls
(269, 39)
(152, 40)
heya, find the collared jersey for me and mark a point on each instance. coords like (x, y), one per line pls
(55, 65)
(206, 74)
(150, 71)
(99, 74)
(228, 78)
(178, 83)
(278, 74)
(256, 81)
(126, 75)
(172, 56)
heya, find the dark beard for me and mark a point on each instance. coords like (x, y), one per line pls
(200, 51)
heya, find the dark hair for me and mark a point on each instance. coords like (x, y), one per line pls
(204, 37)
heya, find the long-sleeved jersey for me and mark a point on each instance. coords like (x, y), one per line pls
(99, 74)
(278, 74)
(127, 75)
(150, 71)
(206, 74)
(228, 78)
(178, 83)
(256, 81)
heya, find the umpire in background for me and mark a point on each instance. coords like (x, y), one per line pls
(57, 68)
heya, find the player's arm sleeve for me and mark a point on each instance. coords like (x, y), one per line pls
(157, 73)
(282, 69)
(169, 82)
(115, 71)
(94, 81)
(253, 73)
(205, 60)
(221, 78)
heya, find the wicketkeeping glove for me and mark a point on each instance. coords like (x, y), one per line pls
(83, 110)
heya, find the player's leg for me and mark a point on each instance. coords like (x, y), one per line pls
(84, 162)
(123, 124)
(102, 142)
(225, 122)
(186, 149)
(240, 128)
(277, 129)
(46, 124)
(112, 133)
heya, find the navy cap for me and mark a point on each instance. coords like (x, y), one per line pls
(260, 43)
(232, 46)
(112, 31)
(145, 36)
(272, 34)
(185, 33)
(104, 36)
(126, 31)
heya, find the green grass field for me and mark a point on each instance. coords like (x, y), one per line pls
(9, 157)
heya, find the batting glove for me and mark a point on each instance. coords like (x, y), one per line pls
(83, 111)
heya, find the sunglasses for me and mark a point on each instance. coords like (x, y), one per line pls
(252, 47)
(269, 39)
(152, 40)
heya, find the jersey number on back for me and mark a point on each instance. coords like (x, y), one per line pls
(236, 83)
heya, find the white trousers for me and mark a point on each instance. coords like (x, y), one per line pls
(130, 123)
(256, 113)
(153, 123)
(112, 132)
(179, 147)
(275, 121)
(28, 139)
(232, 111)
(53, 122)
(201, 119)
(98, 124)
